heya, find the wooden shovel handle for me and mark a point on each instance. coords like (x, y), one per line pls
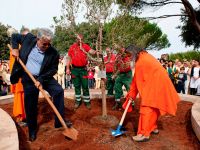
(125, 112)
(127, 106)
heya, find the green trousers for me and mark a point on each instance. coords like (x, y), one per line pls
(80, 80)
(122, 79)
(110, 84)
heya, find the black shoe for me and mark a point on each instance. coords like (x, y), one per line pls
(117, 105)
(67, 122)
(22, 124)
(32, 136)
(77, 105)
(88, 105)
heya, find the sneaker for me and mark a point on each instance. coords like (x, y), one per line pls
(140, 138)
(155, 131)
(88, 105)
(117, 105)
(77, 105)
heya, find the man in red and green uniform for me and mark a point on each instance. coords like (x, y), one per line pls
(109, 64)
(78, 60)
(123, 75)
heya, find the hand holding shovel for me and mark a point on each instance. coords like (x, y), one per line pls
(118, 131)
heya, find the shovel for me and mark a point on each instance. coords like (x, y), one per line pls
(71, 132)
(118, 131)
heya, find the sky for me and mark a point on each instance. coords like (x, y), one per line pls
(40, 13)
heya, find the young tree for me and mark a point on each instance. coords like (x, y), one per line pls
(69, 13)
(97, 12)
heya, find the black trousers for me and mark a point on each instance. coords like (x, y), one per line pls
(180, 88)
(31, 100)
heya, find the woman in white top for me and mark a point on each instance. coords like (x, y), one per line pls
(187, 66)
(195, 78)
(97, 79)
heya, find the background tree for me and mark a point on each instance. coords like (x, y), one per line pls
(190, 17)
(189, 34)
(4, 40)
(189, 55)
(64, 37)
(126, 29)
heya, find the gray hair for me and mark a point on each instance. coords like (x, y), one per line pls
(24, 30)
(44, 33)
(134, 50)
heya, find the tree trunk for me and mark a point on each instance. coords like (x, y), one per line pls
(192, 14)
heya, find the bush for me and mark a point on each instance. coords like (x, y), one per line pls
(189, 55)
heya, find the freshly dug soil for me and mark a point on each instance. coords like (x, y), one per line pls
(176, 133)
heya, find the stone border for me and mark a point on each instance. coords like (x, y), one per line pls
(8, 132)
(6, 99)
(195, 112)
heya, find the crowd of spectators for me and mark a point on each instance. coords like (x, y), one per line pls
(4, 78)
(185, 75)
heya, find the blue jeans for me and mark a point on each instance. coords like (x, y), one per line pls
(91, 83)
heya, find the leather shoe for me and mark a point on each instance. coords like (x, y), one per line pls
(67, 122)
(32, 136)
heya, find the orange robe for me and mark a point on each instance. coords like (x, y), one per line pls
(156, 91)
(17, 90)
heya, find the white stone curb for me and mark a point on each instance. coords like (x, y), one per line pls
(195, 112)
(8, 132)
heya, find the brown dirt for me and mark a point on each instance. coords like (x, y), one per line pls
(175, 132)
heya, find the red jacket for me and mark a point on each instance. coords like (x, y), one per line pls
(123, 63)
(110, 64)
(78, 57)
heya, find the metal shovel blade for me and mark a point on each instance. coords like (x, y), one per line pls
(71, 133)
(118, 131)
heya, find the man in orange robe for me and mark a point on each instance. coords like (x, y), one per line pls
(157, 93)
(17, 90)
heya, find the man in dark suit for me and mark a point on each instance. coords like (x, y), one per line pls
(41, 59)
